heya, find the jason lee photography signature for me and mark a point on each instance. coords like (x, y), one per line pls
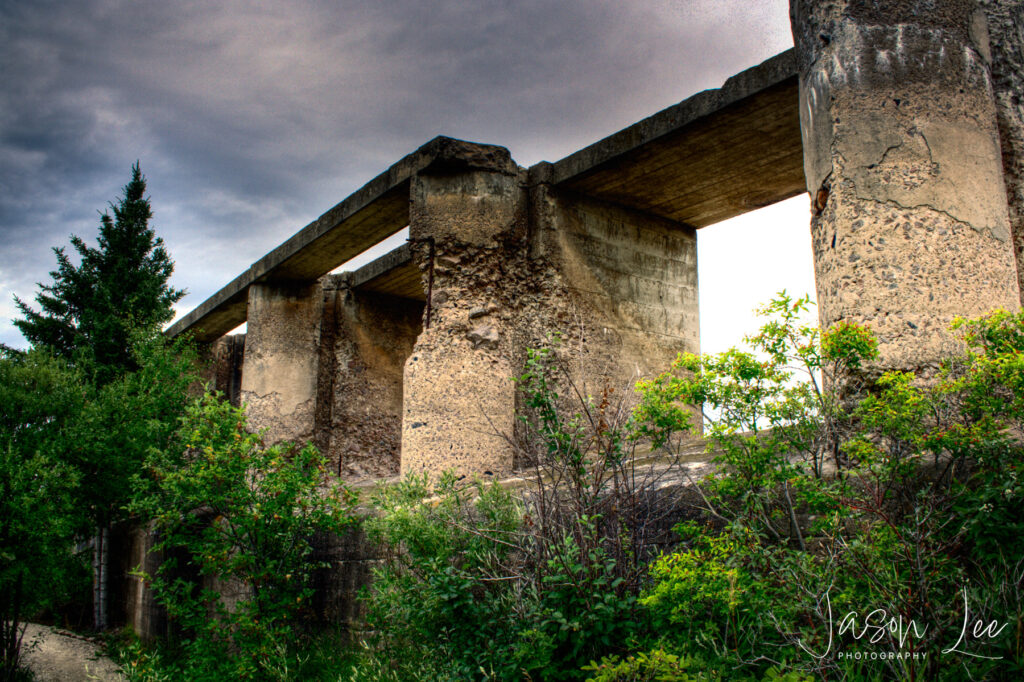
(879, 625)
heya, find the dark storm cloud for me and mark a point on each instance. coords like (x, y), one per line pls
(251, 118)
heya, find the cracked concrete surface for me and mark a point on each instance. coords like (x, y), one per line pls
(948, 167)
(898, 117)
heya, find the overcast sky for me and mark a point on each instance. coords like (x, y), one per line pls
(250, 119)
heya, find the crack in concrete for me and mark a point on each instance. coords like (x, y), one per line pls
(884, 192)
(897, 205)
(891, 148)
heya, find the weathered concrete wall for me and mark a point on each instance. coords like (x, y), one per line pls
(374, 336)
(1003, 35)
(279, 378)
(350, 560)
(631, 285)
(467, 219)
(902, 160)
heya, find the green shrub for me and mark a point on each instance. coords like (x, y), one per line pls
(464, 593)
(657, 665)
(234, 520)
(41, 398)
(897, 494)
(648, 666)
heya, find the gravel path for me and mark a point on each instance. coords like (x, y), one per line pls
(58, 656)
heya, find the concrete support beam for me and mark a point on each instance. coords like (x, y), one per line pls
(279, 377)
(394, 274)
(713, 156)
(379, 209)
(902, 160)
(466, 218)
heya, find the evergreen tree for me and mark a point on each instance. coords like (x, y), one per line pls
(103, 317)
(89, 311)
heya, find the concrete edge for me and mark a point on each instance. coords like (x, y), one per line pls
(768, 73)
(389, 261)
(441, 154)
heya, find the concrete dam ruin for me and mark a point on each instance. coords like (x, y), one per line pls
(902, 119)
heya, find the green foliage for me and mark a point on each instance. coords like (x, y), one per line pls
(657, 665)
(103, 316)
(720, 598)
(701, 589)
(315, 656)
(234, 520)
(647, 666)
(40, 398)
(848, 345)
(89, 312)
(467, 593)
(441, 594)
(768, 417)
(124, 421)
(896, 495)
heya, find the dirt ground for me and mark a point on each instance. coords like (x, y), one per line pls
(58, 656)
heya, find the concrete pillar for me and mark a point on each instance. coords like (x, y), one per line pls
(466, 218)
(902, 159)
(224, 369)
(1005, 54)
(282, 343)
(144, 616)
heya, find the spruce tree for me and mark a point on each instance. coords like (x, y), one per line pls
(96, 314)
(88, 312)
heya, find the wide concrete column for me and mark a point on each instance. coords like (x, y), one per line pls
(279, 374)
(466, 220)
(1005, 54)
(902, 159)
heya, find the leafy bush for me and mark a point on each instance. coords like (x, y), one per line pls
(647, 666)
(658, 665)
(122, 422)
(234, 520)
(482, 581)
(41, 399)
(463, 593)
(895, 494)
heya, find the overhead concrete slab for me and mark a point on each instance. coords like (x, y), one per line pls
(716, 155)
(711, 157)
(394, 273)
(373, 213)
